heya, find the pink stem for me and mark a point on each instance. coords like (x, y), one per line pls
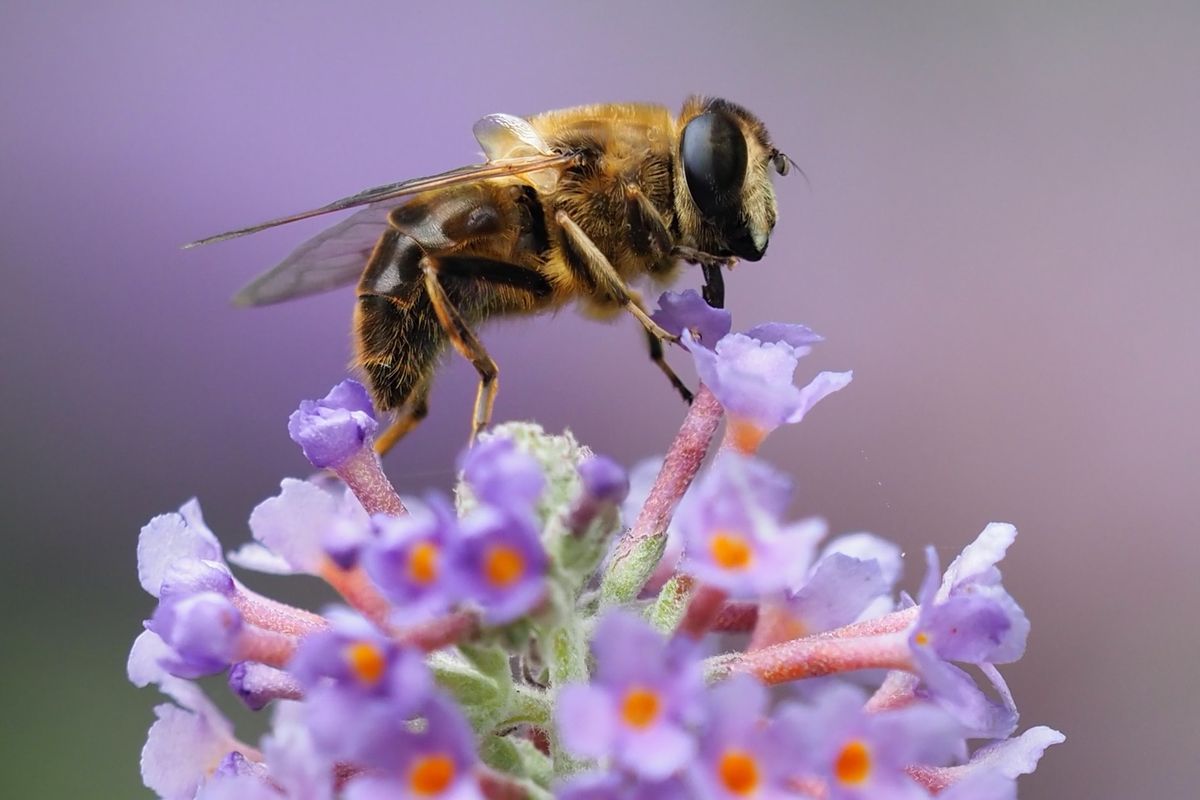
(702, 611)
(363, 473)
(265, 647)
(356, 589)
(273, 615)
(889, 623)
(441, 632)
(736, 616)
(896, 691)
(498, 786)
(679, 469)
(814, 657)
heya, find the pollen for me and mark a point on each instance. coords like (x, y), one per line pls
(853, 764)
(503, 565)
(745, 435)
(731, 550)
(640, 707)
(366, 661)
(922, 638)
(431, 775)
(423, 563)
(738, 771)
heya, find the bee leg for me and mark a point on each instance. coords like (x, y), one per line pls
(656, 355)
(466, 343)
(409, 417)
(584, 254)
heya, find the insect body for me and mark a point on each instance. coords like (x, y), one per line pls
(571, 205)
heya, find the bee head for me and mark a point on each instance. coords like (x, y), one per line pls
(727, 160)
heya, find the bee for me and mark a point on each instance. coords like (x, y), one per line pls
(570, 205)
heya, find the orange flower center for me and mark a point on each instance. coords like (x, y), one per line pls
(503, 565)
(739, 772)
(431, 775)
(731, 550)
(922, 638)
(366, 661)
(423, 562)
(853, 763)
(640, 707)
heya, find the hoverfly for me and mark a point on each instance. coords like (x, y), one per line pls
(570, 205)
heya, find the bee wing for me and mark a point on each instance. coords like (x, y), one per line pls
(504, 136)
(333, 258)
(540, 163)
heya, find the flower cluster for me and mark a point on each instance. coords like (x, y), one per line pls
(558, 630)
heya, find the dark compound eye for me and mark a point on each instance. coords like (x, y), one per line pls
(714, 163)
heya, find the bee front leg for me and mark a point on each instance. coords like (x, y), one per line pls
(415, 410)
(584, 253)
(465, 342)
(656, 355)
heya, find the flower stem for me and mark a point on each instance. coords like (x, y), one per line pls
(275, 616)
(441, 632)
(363, 473)
(265, 647)
(813, 657)
(640, 549)
(702, 610)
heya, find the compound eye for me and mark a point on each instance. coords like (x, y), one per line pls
(714, 162)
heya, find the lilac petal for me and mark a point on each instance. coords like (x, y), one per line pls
(170, 538)
(737, 706)
(1019, 755)
(687, 310)
(966, 628)
(919, 734)
(977, 561)
(868, 546)
(604, 479)
(237, 787)
(500, 473)
(255, 556)
(293, 523)
(838, 590)
(627, 649)
(182, 748)
(296, 766)
(586, 721)
(825, 384)
(981, 786)
(658, 752)
(144, 666)
(190, 576)
(798, 336)
(333, 429)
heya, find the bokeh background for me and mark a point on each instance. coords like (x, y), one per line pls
(999, 236)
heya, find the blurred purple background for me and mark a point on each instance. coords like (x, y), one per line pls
(1000, 238)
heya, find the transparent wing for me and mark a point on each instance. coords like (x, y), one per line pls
(503, 136)
(540, 164)
(333, 258)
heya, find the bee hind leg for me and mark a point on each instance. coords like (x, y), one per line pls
(466, 343)
(409, 417)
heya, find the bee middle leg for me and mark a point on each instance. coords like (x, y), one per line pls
(466, 343)
(415, 410)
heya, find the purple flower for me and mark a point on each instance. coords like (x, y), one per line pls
(837, 591)
(974, 574)
(732, 535)
(604, 480)
(360, 691)
(501, 563)
(201, 630)
(257, 684)
(333, 429)
(752, 378)
(687, 310)
(187, 742)
(619, 786)
(174, 540)
(296, 527)
(969, 627)
(410, 559)
(642, 700)
(864, 755)
(438, 762)
(741, 754)
(501, 474)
